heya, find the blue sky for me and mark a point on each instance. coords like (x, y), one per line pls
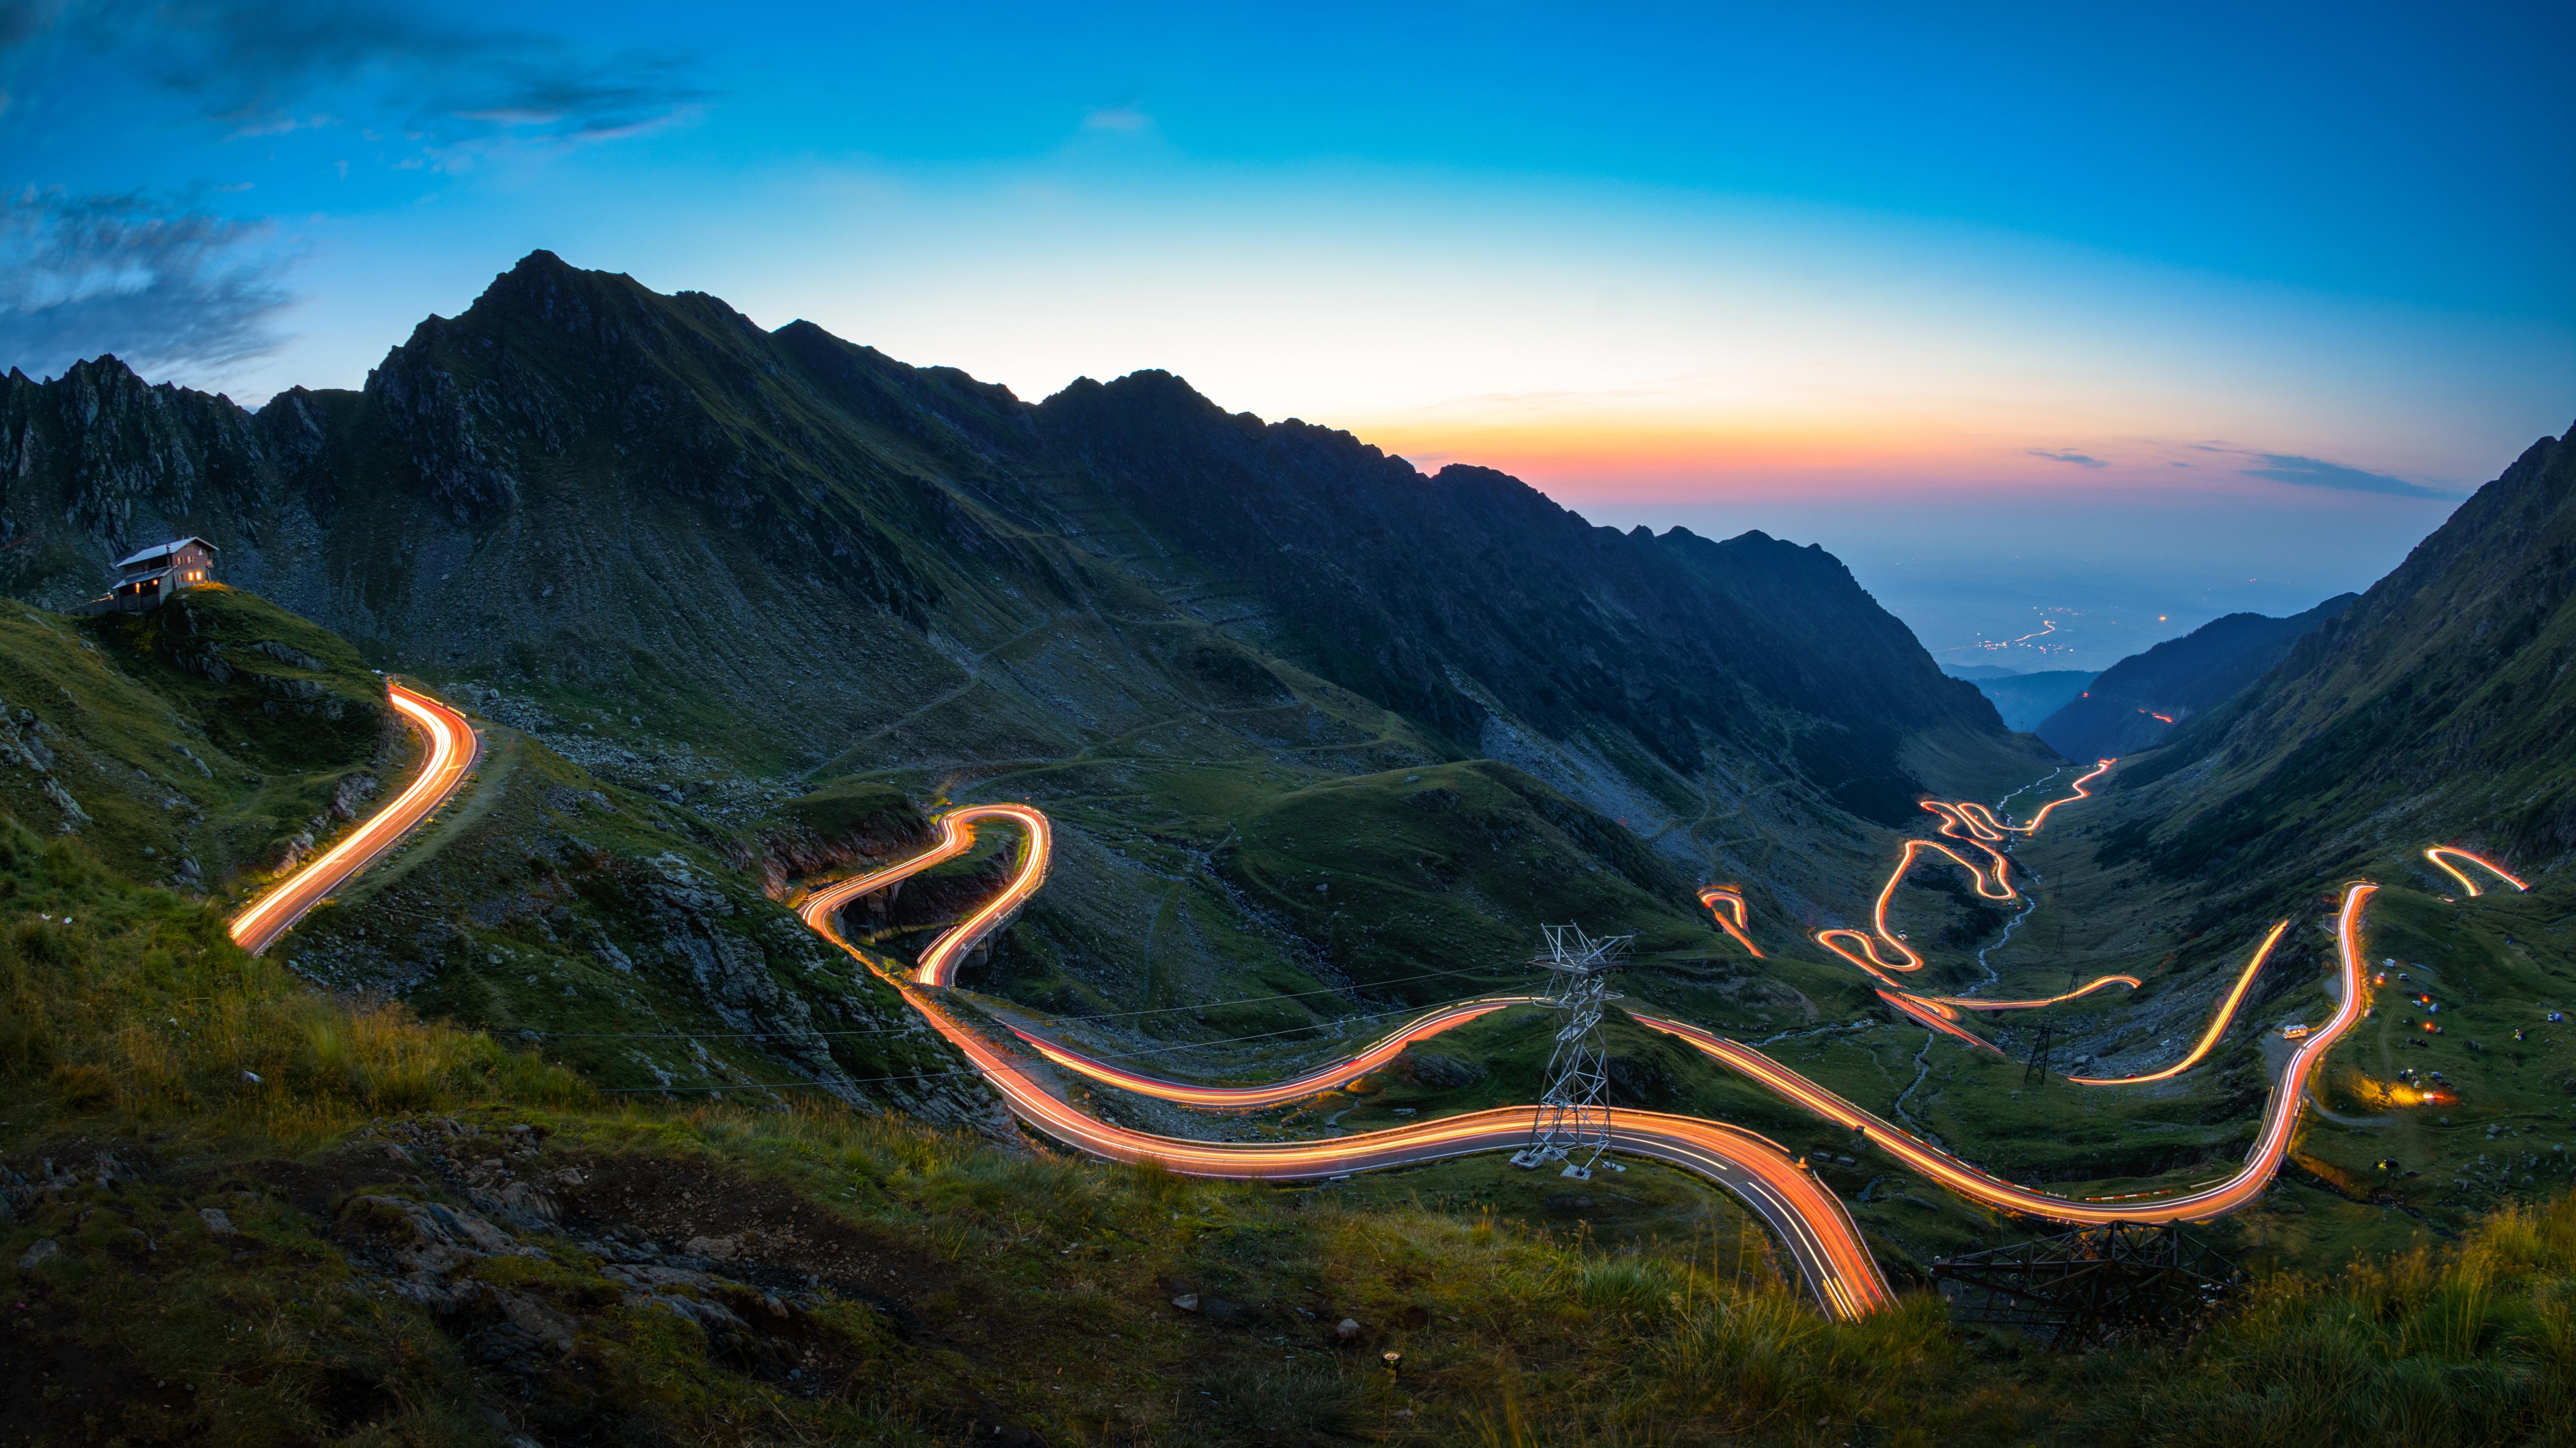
(2136, 316)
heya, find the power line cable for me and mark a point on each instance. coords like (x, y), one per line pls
(934, 1075)
(906, 1030)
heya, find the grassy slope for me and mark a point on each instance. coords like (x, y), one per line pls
(928, 1287)
(592, 919)
(2511, 1103)
(1451, 866)
(2435, 709)
(825, 1277)
(540, 902)
(216, 730)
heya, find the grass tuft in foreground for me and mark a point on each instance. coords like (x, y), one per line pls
(135, 1001)
(403, 1233)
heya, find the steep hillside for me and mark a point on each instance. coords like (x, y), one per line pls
(729, 569)
(236, 1209)
(2435, 708)
(203, 744)
(2137, 702)
(210, 742)
(2439, 705)
(2025, 699)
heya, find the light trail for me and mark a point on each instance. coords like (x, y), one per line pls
(1994, 885)
(452, 751)
(1975, 826)
(1726, 902)
(1936, 1015)
(1819, 1232)
(1814, 1224)
(2229, 1194)
(2436, 853)
(1312, 1083)
(1980, 1003)
(1988, 821)
(2217, 1023)
(938, 965)
(1811, 1221)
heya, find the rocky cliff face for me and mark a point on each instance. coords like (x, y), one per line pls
(577, 470)
(2435, 707)
(1468, 596)
(728, 567)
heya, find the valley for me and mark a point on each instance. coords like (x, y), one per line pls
(1053, 850)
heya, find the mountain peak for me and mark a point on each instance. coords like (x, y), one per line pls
(1154, 386)
(541, 260)
(555, 291)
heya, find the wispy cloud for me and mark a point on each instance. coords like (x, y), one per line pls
(2318, 473)
(2077, 458)
(167, 288)
(174, 288)
(256, 67)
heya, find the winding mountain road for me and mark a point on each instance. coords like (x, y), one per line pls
(452, 750)
(1810, 1220)
(1819, 1232)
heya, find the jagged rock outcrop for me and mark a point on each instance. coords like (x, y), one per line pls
(581, 481)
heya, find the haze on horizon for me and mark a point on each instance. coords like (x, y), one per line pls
(2074, 330)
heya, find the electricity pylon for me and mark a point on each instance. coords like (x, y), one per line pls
(1573, 1124)
(2042, 1056)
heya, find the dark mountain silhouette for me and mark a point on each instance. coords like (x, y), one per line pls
(2438, 706)
(2136, 702)
(2025, 699)
(730, 567)
(582, 480)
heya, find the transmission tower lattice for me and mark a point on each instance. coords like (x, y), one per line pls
(2043, 1054)
(1573, 1124)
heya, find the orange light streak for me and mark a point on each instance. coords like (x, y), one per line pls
(2231, 1193)
(2041, 818)
(452, 751)
(2436, 853)
(1322, 1079)
(2217, 1023)
(938, 964)
(1979, 1003)
(1811, 1220)
(1974, 825)
(1993, 886)
(1727, 904)
(1932, 1013)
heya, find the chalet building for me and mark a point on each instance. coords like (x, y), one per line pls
(146, 579)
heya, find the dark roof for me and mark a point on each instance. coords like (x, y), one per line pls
(164, 550)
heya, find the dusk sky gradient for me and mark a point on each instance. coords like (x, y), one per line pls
(2112, 320)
